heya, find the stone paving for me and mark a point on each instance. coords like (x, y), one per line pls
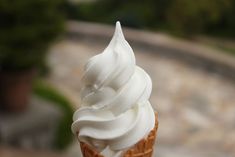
(196, 108)
(16, 152)
(34, 128)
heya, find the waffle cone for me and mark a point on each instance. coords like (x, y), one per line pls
(144, 148)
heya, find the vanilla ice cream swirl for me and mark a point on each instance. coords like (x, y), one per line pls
(115, 110)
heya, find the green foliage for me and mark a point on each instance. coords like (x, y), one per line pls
(130, 13)
(183, 17)
(195, 17)
(27, 28)
(64, 134)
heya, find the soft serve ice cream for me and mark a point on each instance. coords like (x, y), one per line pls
(115, 113)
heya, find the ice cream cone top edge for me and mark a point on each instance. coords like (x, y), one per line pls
(115, 110)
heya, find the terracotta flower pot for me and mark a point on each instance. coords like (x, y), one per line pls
(15, 89)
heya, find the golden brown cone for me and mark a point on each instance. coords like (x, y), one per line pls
(143, 148)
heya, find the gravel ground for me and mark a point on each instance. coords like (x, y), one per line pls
(196, 108)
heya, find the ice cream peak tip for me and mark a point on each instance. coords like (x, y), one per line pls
(118, 30)
(118, 23)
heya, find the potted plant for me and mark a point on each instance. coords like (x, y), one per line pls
(27, 29)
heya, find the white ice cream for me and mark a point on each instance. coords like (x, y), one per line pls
(115, 112)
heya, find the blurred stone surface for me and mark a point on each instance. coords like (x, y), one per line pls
(13, 152)
(35, 128)
(196, 107)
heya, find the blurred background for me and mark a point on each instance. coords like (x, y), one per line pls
(186, 46)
